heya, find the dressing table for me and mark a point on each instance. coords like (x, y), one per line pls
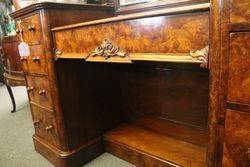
(156, 84)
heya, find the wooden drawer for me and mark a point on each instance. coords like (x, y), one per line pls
(31, 29)
(36, 62)
(239, 68)
(44, 124)
(240, 11)
(39, 91)
(236, 151)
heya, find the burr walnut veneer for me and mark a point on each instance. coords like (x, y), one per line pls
(160, 86)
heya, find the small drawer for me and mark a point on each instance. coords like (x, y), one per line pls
(236, 152)
(45, 125)
(31, 29)
(239, 12)
(39, 91)
(239, 68)
(36, 62)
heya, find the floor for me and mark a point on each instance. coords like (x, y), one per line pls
(16, 130)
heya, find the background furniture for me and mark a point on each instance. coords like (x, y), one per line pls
(13, 74)
(138, 82)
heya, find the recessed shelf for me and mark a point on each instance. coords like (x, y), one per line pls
(147, 143)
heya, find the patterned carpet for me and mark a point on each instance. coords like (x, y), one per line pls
(16, 130)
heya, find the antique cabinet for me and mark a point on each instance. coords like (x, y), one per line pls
(12, 68)
(156, 85)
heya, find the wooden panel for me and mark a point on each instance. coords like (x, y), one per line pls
(36, 62)
(240, 11)
(239, 69)
(39, 91)
(163, 34)
(89, 94)
(171, 129)
(31, 29)
(168, 93)
(45, 126)
(237, 139)
(147, 143)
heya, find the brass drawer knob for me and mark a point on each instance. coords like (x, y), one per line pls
(23, 59)
(31, 27)
(49, 128)
(42, 92)
(36, 122)
(36, 59)
(30, 88)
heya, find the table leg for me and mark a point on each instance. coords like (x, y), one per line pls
(12, 98)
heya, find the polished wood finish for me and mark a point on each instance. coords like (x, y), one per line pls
(172, 112)
(239, 69)
(237, 139)
(50, 137)
(30, 27)
(135, 39)
(36, 61)
(44, 124)
(239, 11)
(165, 80)
(233, 83)
(13, 71)
(39, 91)
(153, 144)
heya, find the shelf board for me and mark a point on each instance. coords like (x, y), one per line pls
(153, 57)
(168, 57)
(149, 144)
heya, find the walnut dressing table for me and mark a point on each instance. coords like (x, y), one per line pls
(154, 85)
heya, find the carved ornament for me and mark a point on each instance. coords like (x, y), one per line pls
(107, 49)
(201, 55)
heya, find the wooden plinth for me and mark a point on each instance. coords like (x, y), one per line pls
(72, 158)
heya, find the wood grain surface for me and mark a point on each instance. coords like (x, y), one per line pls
(163, 34)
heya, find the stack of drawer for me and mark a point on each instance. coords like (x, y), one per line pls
(38, 86)
(237, 118)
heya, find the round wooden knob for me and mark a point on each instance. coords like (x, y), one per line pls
(30, 88)
(42, 92)
(23, 58)
(36, 59)
(31, 27)
(48, 128)
(36, 122)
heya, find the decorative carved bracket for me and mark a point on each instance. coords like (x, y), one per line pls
(201, 55)
(107, 50)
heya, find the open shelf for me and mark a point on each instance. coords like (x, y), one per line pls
(133, 144)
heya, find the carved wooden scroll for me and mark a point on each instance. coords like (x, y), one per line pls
(201, 55)
(108, 50)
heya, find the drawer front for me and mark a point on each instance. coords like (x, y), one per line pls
(31, 29)
(236, 151)
(240, 11)
(239, 68)
(44, 124)
(36, 62)
(39, 91)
